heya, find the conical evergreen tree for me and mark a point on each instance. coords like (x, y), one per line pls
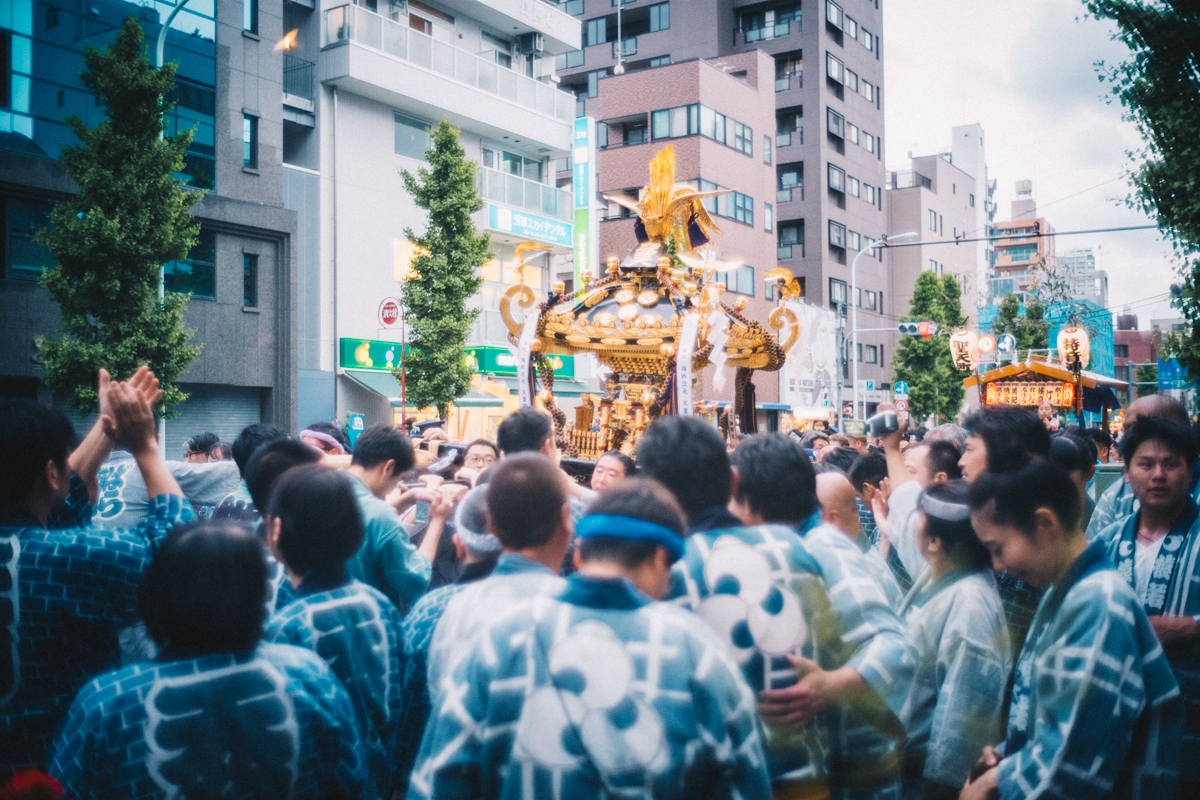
(935, 387)
(110, 240)
(450, 253)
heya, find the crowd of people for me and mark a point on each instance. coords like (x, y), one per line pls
(937, 613)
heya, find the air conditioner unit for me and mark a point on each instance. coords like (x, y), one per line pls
(531, 44)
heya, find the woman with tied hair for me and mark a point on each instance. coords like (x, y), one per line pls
(219, 712)
(955, 622)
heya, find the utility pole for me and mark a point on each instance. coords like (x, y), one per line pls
(841, 362)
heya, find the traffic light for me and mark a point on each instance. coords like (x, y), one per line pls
(923, 329)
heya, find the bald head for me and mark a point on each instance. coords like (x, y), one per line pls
(1158, 406)
(838, 508)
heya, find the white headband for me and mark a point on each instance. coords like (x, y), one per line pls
(951, 512)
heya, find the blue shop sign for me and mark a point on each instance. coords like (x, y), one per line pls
(529, 226)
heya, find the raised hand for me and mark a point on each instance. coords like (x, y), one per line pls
(130, 422)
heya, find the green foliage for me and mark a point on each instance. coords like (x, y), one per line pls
(109, 240)
(437, 372)
(935, 386)
(1145, 374)
(1031, 329)
(1159, 86)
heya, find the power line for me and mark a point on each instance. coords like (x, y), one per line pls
(1059, 200)
(1035, 235)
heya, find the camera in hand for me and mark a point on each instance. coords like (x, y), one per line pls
(883, 423)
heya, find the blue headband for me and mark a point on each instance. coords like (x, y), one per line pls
(619, 527)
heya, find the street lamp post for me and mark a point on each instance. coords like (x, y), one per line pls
(871, 243)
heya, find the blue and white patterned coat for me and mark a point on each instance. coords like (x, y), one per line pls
(65, 594)
(957, 628)
(1095, 711)
(273, 722)
(598, 692)
(1118, 503)
(356, 630)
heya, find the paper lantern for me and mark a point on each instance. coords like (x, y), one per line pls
(962, 347)
(1074, 349)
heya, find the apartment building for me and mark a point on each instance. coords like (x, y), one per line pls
(370, 79)
(824, 146)
(242, 273)
(1025, 241)
(1087, 282)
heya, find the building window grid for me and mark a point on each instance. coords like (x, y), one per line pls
(791, 238)
(836, 123)
(250, 16)
(250, 141)
(837, 179)
(768, 217)
(834, 68)
(837, 235)
(196, 274)
(660, 17)
(739, 281)
(250, 280)
(767, 149)
(696, 119)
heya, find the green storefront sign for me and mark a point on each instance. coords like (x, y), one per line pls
(500, 361)
(382, 356)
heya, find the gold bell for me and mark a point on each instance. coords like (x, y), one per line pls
(613, 265)
(740, 304)
(558, 287)
(585, 278)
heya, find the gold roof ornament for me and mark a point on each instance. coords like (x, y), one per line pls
(632, 318)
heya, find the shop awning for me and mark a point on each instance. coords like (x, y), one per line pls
(377, 381)
(562, 387)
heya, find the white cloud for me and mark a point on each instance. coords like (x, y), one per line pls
(1024, 69)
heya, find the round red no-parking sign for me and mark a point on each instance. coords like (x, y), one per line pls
(389, 312)
(902, 405)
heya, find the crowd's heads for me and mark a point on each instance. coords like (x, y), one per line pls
(382, 443)
(525, 430)
(946, 517)
(197, 447)
(948, 432)
(933, 461)
(775, 479)
(687, 456)
(838, 506)
(814, 440)
(205, 591)
(313, 520)
(1023, 516)
(221, 451)
(1002, 439)
(1159, 454)
(868, 470)
(326, 437)
(612, 467)
(32, 438)
(526, 501)
(470, 525)
(1155, 405)
(840, 457)
(1168, 432)
(269, 462)
(250, 439)
(1103, 441)
(1073, 456)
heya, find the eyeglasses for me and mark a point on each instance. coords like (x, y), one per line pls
(475, 460)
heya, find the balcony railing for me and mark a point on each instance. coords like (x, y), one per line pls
(768, 32)
(788, 138)
(908, 180)
(793, 80)
(513, 190)
(625, 48)
(786, 252)
(789, 194)
(354, 23)
(297, 76)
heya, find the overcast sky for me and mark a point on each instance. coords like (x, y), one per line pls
(1025, 70)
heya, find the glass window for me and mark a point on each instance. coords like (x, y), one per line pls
(932, 220)
(569, 59)
(868, 142)
(852, 132)
(250, 15)
(837, 292)
(852, 186)
(854, 241)
(836, 123)
(867, 90)
(25, 258)
(412, 137)
(837, 234)
(635, 133)
(849, 26)
(972, 202)
(868, 41)
(593, 85)
(871, 353)
(743, 208)
(596, 31)
(767, 144)
(833, 14)
(791, 240)
(743, 138)
(768, 217)
(660, 17)
(837, 178)
(197, 274)
(249, 280)
(660, 124)
(573, 7)
(834, 69)
(250, 141)
(852, 80)
(660, 61)
(868, 193)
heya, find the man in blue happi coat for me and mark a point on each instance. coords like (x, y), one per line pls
(313, 527)
(1095, 711)
(218, 713)
(1156, 549)
(857, 669)
(67, 586)
(597, 691)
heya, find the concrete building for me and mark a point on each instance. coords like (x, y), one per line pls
(1025, 241)
(1132, 347)
(967, 152)
(935, 199)
(1087, 282)
(382, 75)
(242, 275)
(829, 178)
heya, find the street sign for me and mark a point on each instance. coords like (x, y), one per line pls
(902, 404)
(986, 344)
(866, 385)
(900, 388)
(1006, 343)
(389, 312)
(1171, 375)
(357, 424)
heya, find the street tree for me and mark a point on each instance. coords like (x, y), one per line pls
(444, 275)
(1146, 377)
(1159, 86)
(1030, 329)
(110, 240)
(935, 386)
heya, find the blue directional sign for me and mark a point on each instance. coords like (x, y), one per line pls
(900, 388)
(1006, 343)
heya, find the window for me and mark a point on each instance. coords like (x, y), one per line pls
(867, 90)
(852, 80)
(573, 7)
(852, 186)
(766, 149)
(250, 141)
(868, 299)
(768, 217)
(791, 240)
(1022, 253)
(670, 123)
(868, 353)
(596, 31)
(743, 138)
(868, 41)
(25, 258)
(791, 183)
(833, 14)
(1120, 351)
(635, 133)
(770, 23)
(971, 203)
(849, 27)
(789, 66)
(868, 142)
(197, 274)
(868, 193)
(249, 280)
(854, 242)
(837, 179)
(837, 234)
(593, 82)
(837, 293)
(852, 132)
(933, 265)
(836, 123)
(740, 280)
(412, 137)
(743, 209)
(250, 16)
(834, 68)
(932, 220)
(659, 61)
(660, 17)
(569, 59)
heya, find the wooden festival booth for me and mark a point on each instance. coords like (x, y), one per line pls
(1029, 382)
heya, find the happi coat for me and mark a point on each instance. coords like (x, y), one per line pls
(387, 559)
(271, 722)
(355, 628)
(1118, 502)
(66, 593)
(1095, 710)
(1174, 591)
(963, 659)
(593, 692)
